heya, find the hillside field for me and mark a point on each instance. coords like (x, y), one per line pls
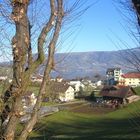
(122, 124)
(82, 122)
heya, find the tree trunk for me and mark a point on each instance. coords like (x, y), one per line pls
(50, 65)
(20, 45)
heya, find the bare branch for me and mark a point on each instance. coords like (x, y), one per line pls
(45, 30)
(29, 126)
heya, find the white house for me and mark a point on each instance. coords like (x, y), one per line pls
(130, 79)
(29, 100)
(3, 78)
(99, 83)
(112, 75)
(68, 95)
(62, 91)
(77, 85)
(37, 78)
(59, 79)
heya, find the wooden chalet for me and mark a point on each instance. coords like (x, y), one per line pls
(118, 94)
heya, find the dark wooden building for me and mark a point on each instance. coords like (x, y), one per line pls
(117, 93)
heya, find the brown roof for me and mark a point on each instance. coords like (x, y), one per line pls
(115, 91)
(59, 87)
(131, 75)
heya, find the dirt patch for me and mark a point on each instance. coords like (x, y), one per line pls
(87, 109)
(72, 105)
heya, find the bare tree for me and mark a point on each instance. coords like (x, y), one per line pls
(17, 13)
(136, 4)
(129, 10)
(133, 55)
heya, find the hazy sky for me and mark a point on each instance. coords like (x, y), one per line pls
(99, 25)
(96, 30)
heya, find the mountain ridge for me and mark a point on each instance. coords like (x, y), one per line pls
(83, 64)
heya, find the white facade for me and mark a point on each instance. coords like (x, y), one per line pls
(37, 78)
(68, 95)
(59, 79)
(113, 73)
(133, 82)
(117, 73)
(33, 99)
(99, 83)
(29, 100)
(77, 85)
(3, 78)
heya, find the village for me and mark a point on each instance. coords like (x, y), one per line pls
(69, 70)
(114, 92)
(117, 86)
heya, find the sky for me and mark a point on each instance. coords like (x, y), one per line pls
(102, 26)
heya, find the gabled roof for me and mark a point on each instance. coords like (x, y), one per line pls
(117, 91)
(131, 75)
(59, 87)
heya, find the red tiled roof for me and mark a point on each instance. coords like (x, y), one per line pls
(131, 75)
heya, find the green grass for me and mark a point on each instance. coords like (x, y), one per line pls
(4, 86)
(6, 71)
(137, 90)
(34, 89)
(48, 103)
(1, 88)
(123, 124)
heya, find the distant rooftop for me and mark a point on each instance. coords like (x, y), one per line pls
(112, 69)
(132, 75)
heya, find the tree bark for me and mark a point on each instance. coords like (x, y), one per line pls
(22, 54)
(50, 64)
(20, 45)
(136, 4)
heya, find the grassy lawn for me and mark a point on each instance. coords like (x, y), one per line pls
(1, 88)
(137, 90)
(123, 124)
(34, 89)
(5, 85)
